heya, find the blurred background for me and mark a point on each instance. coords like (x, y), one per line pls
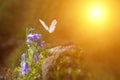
(93, 24)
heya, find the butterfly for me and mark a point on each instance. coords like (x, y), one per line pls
(52, 26)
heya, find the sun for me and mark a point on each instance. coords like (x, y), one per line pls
(96, 13)
(92, 13)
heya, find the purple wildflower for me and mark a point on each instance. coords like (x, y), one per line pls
(34, 37)
(36, 57)
(23, 57)
(25, 68)
(41, 44)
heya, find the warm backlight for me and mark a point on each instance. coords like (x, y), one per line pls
(96, 13)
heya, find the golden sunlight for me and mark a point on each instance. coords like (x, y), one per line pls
(93, 13)
(93, 16)
(96, 13)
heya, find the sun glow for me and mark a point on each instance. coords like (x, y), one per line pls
(96, 13)
(93, 16)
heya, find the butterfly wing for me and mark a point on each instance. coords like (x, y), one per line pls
(43, 24)
(52, 26)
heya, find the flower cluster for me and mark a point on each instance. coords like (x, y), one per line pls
(31, 38)
(34, 37)
(31, 60)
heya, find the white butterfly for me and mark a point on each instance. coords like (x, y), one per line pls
(52, 26)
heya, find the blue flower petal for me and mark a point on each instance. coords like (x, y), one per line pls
(36, 57)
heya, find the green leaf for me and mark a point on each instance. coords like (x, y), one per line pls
(30, 55)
